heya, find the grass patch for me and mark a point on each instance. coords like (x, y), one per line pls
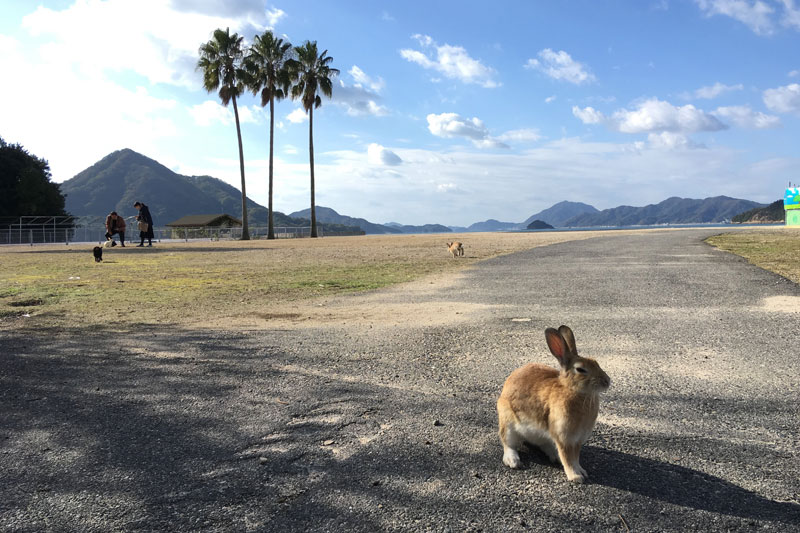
(776, 251)
(191, 283)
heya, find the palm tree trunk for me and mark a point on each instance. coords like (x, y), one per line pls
(245, 229)
(311, 159)
(270, 219)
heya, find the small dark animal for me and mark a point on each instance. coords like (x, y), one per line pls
(98, 254)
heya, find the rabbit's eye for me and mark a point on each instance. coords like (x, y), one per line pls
(580, 370)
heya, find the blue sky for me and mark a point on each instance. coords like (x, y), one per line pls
(446, 112)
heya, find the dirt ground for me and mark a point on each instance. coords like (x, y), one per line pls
(375, 410)
(236, 284)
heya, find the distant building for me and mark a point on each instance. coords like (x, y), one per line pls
(206, 221)
(205, 226)
(791, 203)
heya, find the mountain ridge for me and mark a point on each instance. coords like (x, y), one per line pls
(673, 210)
(125, 176)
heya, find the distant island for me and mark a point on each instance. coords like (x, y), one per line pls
(539, 224)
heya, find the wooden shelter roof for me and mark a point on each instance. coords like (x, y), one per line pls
(202, 221)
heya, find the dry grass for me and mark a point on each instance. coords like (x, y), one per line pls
(181, 283)
(775, 250)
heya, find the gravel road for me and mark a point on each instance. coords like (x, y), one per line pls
(391, 425)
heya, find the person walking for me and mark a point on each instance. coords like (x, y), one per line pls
(115, 225)
(145, 224)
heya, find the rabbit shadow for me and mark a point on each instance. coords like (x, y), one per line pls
(670, 484)
(681, 486)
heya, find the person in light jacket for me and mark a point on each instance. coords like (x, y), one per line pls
(115, 225)
(144, 216)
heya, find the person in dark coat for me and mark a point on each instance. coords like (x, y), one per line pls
(115, 225)
(144, 216)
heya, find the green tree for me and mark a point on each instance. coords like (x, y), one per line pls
(267, 63)
(312, 75)
(221, 64)
(25, 186)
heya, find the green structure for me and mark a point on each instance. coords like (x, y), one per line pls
(791, 203)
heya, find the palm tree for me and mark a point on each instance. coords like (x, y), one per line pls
(267, 64)
(220, 60)
(312, 75)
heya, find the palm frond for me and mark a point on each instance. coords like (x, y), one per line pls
(220, 61)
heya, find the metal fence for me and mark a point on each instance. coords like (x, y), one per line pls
(66, 229)
(215, 233)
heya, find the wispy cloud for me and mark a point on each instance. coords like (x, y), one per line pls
(764, 18)
(211, 112)
(560, 66)
(362, 97)
(451, 61)
(712, 91)
(756, 15)
(297, 116)
(784, 99)
(520, 136)
(379, 155)
(452, 125)
(744, 117)
(653, 115)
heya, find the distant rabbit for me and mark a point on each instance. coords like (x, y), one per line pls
(456, 248)
(554, 410)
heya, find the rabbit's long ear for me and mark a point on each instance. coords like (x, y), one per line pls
(558, 346)
(569, 338)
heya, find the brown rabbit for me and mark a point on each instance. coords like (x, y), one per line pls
(554, 410)
(456, 248)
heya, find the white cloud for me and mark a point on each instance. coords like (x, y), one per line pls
(378, 155)
(791, 14)
(253, 9)
(297, 116)
(363, 80)
(656, 115)
(523, 136)
(794, 74)
(152, 38)
(588, 115)
(109, 118)
(452, 61)
(744, 117)
(670, 141)
(448, 188)
(550, 99)
(712, 91)
(358, 100)
(560, 66)
(784, 99)
(450, 125)
(210, 112)
(250, 114)
(756, 15)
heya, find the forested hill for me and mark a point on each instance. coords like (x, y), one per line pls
(124, 177)
(326, 214)
(671, 211)
(558, 214)
(774, 212)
